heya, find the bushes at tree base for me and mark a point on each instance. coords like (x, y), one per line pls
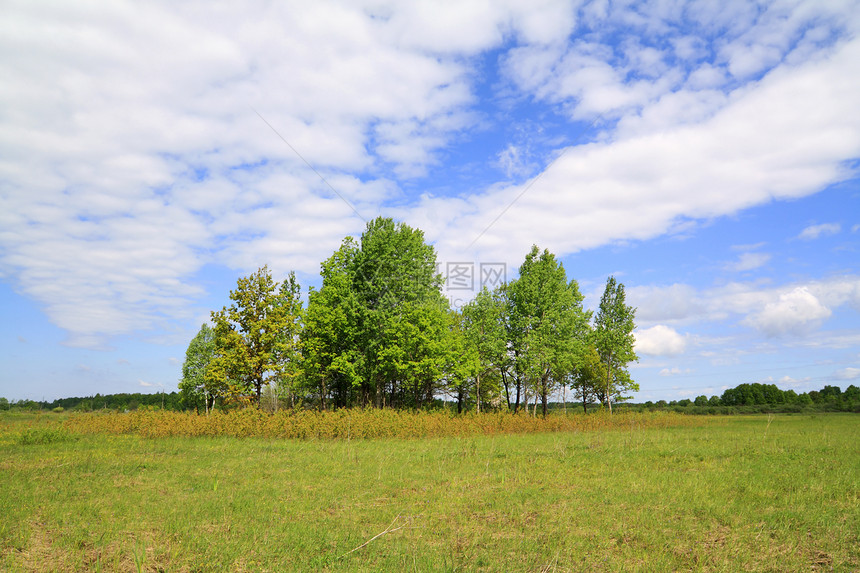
(356, 423)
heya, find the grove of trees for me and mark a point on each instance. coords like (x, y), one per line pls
(379, 332)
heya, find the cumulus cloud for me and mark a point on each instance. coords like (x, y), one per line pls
(849, 373)
(790, 308)
(659, 340)
(815, 231)
(795, 312)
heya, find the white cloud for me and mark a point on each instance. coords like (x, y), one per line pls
(849, 373)
(788, 381)
(793, 310)
(659, 340)
(674, 371)
(748, 262)
(816, 231)
(796, 312)
(660, 304)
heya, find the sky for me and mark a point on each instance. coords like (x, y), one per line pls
(704, 153)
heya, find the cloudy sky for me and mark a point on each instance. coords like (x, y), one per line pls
(705, 153)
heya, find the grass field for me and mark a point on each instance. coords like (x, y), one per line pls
(752, 493)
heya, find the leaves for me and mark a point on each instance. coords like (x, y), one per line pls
(613, 339)
(256, 336)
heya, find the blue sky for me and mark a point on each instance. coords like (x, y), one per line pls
(704, 153)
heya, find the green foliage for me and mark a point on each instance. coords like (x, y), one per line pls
(4, 404)
(256, 336)
(380, 333)
(45, 435)
(587, 380)
(547, 325)
(376, 331)
(483, 357)
(613, 338)
(193, 389)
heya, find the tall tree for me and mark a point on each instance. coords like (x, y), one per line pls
(464, 363)
(548, 324)
(255, 336)
(193, 389)
(333, 363)
(384, 294)
(482, 324)
(613, 336)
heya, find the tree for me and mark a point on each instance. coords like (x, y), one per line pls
(701, 400)
(255, 336)
(830, 394)
(395, 278)
(332, 360)
(375, 328)
(613, 333)
(198, 356)
(548, 324)
(587, 380)
(482, 325)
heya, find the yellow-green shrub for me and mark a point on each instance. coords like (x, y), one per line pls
(357, 423)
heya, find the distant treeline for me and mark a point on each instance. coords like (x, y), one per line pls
(121, 402)
(743, 399)
(755, 398)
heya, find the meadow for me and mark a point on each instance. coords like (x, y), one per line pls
(742, 493)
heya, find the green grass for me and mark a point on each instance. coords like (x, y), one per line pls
(742, 493)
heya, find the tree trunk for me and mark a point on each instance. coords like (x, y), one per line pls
(517, 403)
(478, 392)
(544, 400)
(507, 389)
(609, 381)
(564, 398)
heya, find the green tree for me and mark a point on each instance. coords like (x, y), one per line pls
(375, 328)
(4, 404)
(548, 323)
(587, 380)
(701, 400)
(482, 324)
(198, 356)
(830, 394)
(395, 278)
(255, 337)
(330, 340)
(613, 334)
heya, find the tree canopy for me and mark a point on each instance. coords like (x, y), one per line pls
(255, 337)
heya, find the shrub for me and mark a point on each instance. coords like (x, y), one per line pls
(356, 423)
